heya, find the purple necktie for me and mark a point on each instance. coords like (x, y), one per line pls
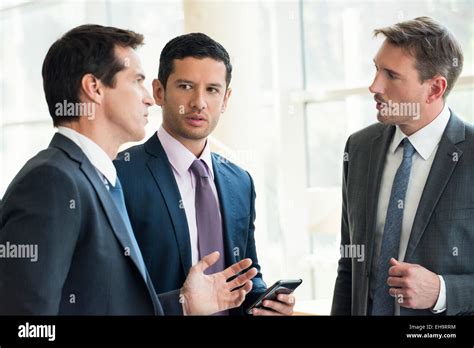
(209, 226)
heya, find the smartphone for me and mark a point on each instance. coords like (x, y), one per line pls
(284, 286)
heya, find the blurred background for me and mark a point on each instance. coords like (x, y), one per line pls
(300, 86)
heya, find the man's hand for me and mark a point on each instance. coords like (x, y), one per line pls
(284, 306)
(413, 285)
(207, 294)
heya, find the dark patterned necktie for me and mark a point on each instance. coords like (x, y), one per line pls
(383, 303)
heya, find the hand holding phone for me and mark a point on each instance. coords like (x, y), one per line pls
(284, 286)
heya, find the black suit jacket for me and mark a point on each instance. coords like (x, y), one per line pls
(58, 202)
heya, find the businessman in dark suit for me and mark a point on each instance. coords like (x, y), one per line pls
(408, 196)
(67, 201)
(183, 200)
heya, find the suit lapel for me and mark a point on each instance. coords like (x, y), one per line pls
(154, 298)
(118, 225)
(111, 211)
(162, 173)
(113, 214)
(378, 152)
(224, 191)
(446, 159)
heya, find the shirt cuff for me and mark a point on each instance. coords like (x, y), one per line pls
(440, 305)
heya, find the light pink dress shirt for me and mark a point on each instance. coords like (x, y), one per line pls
(181, 159)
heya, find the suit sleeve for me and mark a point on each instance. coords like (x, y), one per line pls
(259, 285)
(170, 302)
(459, 290)
(342, 298)
(41, 210)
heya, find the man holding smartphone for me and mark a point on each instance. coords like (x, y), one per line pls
(280, 288)
(183, 200)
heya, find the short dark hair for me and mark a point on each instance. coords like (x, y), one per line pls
(197, 45)
(87, 49)
(436, 50)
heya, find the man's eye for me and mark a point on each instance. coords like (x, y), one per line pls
(391, 76)
(184, 86)
(213, 90)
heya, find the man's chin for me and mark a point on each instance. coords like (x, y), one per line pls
(396, 120)
(195, 133)
(385, 119)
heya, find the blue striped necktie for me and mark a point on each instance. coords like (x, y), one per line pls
(383, 303)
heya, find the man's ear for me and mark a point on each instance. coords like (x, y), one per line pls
(227, 95)
(91, 88)
(158, 92)
(438, 85)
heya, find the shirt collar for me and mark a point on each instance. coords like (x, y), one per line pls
(427, 138)
(179, 156)
(94, 153)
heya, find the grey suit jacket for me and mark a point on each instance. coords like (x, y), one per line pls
(442, 236)
(58, 203)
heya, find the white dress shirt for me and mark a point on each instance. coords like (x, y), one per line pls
(181, 159)
(94, 153)
(425, 141)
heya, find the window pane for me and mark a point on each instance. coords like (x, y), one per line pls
(328, 126)
(462, 103)
(34, 27)
(18, 144)
(338, 36)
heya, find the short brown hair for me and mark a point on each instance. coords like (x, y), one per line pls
(436, 50)
(85, 49)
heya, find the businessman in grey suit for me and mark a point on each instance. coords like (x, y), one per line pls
(408, 198)
(67, 200)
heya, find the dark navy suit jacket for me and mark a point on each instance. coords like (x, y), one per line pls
(159, 220)
(59, 203)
